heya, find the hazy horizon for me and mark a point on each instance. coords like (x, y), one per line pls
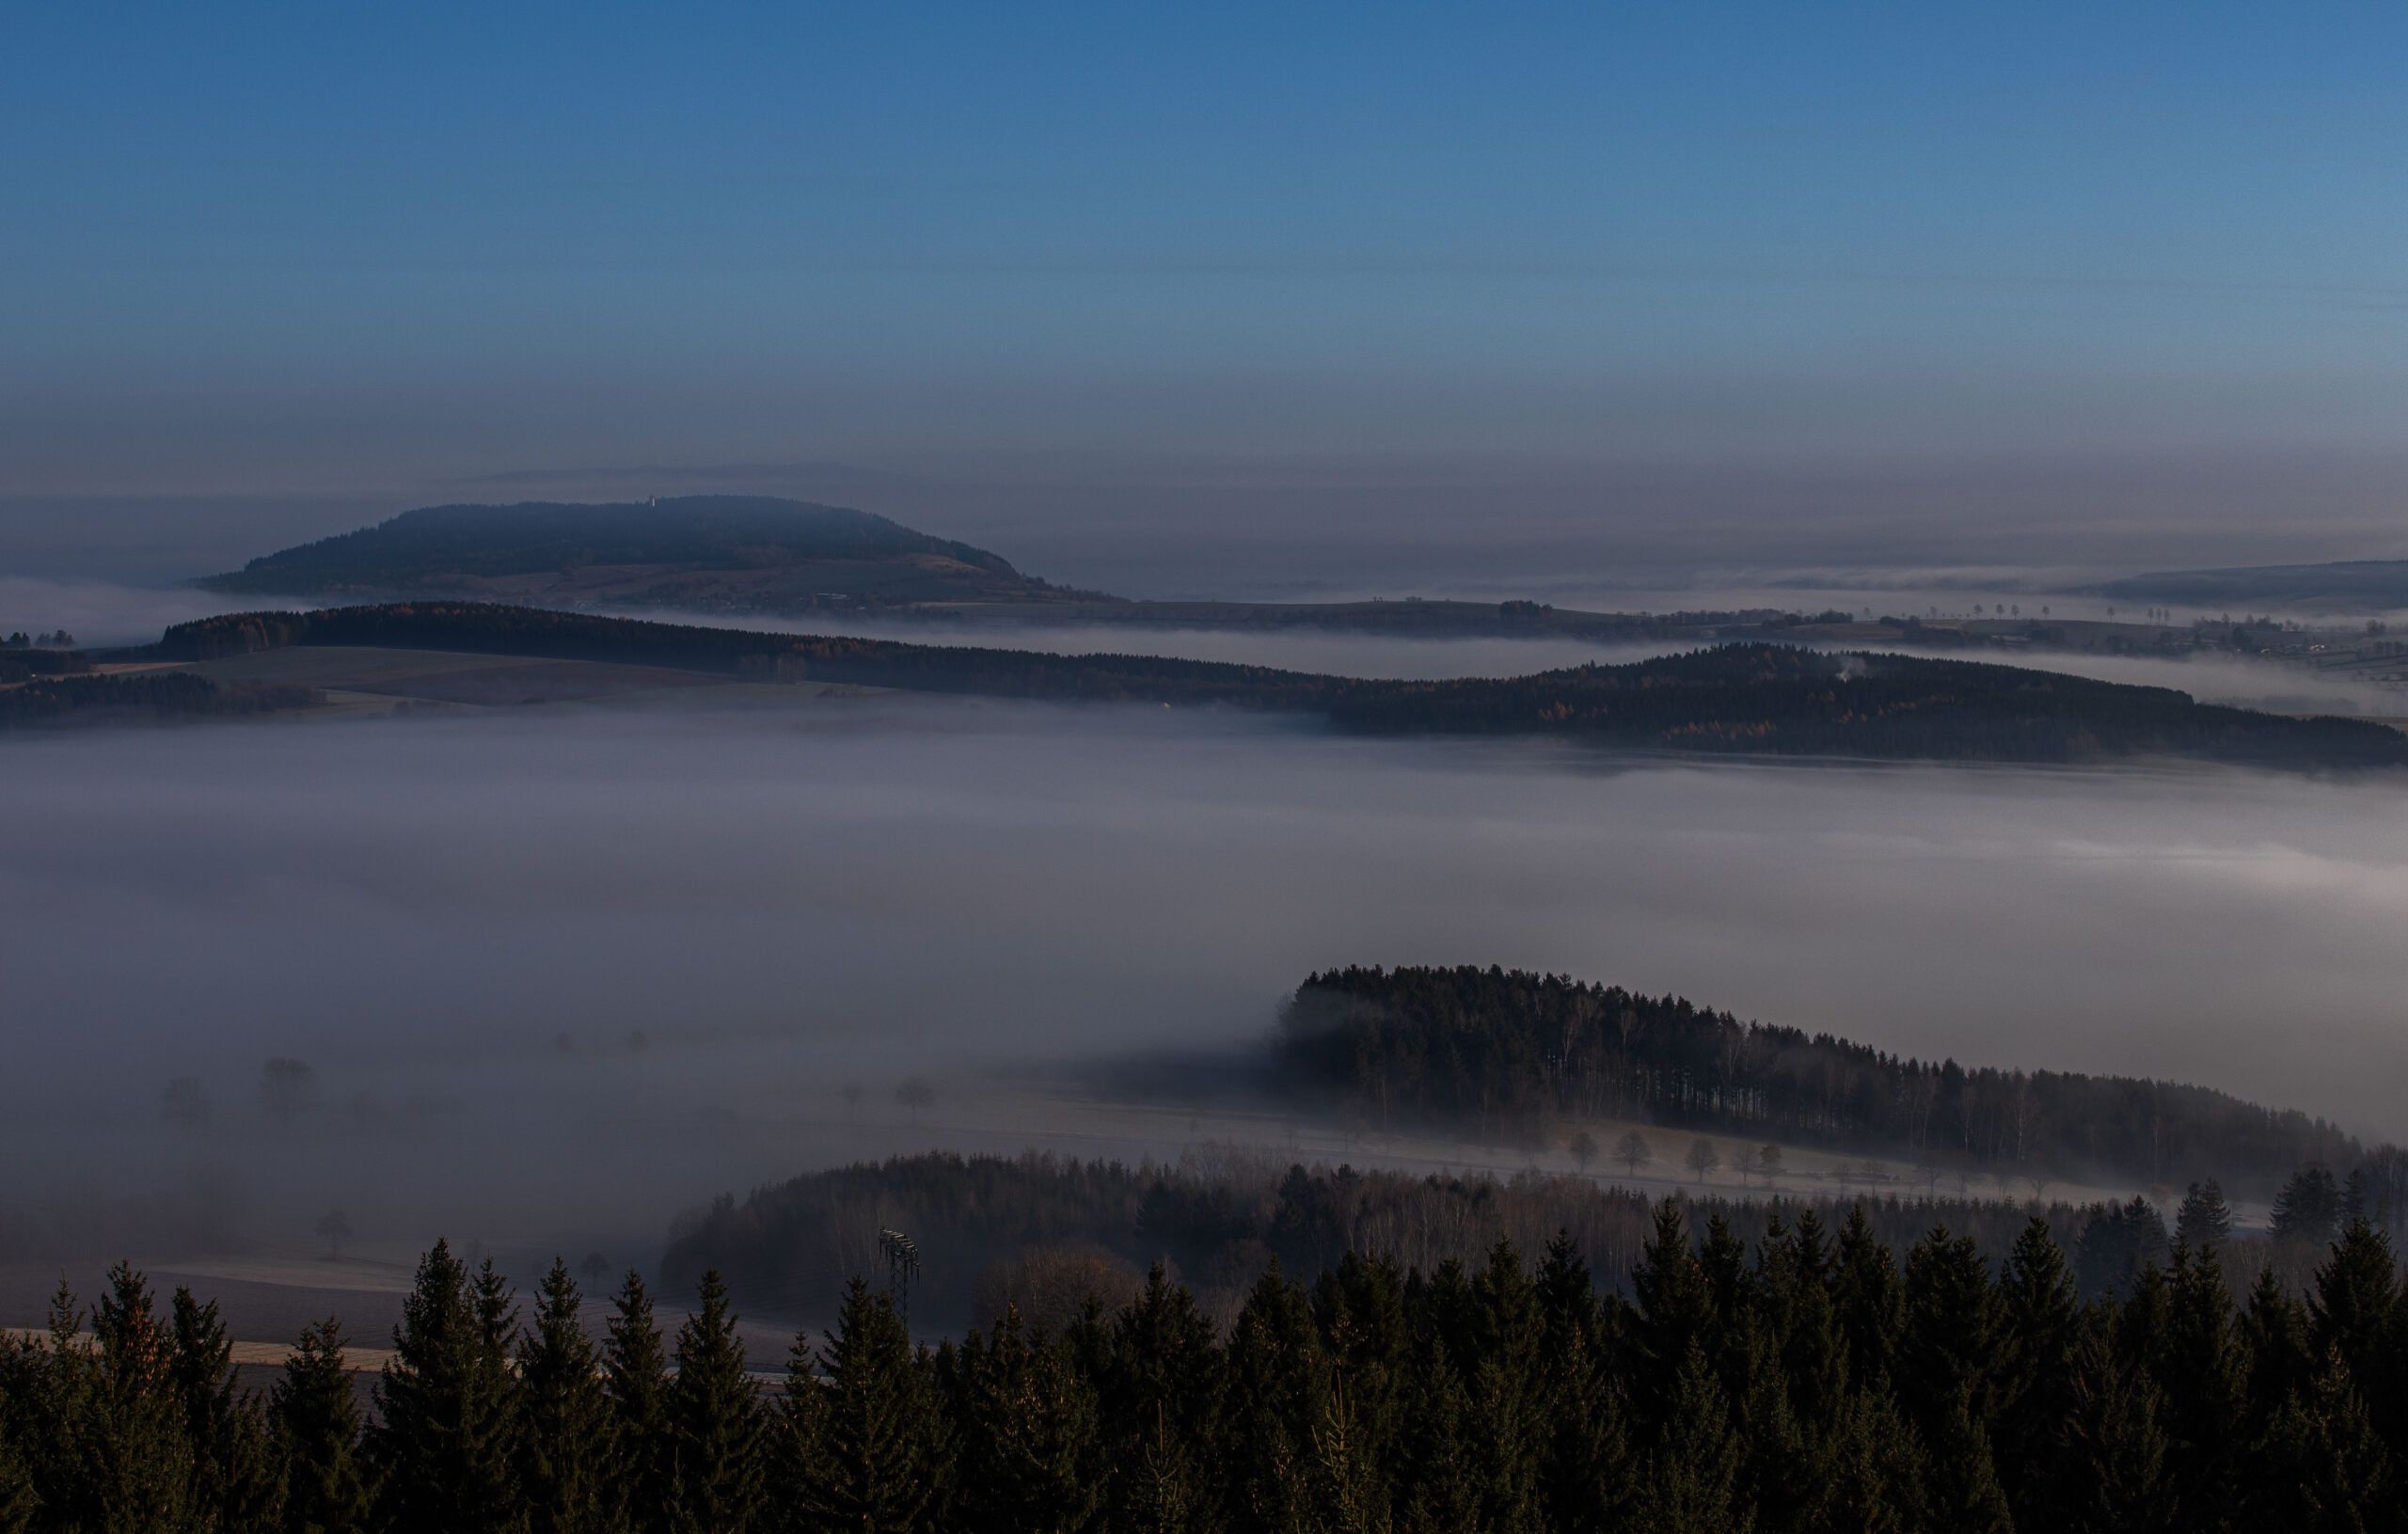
(1237, 305)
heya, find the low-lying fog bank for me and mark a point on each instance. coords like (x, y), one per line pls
(100, 612)
(459, 927)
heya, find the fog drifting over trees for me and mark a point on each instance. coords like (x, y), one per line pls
(463, 926)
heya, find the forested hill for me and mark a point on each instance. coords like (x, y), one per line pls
(1518, 1052)
(1786, 701)
(1735, 699)
(2351, 585)
(711, 552)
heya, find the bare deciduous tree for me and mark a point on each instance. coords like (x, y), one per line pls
(1703, 1159)
(1633, 1152)
(1768, 1162)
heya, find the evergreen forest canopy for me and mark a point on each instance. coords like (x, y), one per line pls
(1740, 699)
(51, 700)
(1809, 1383)
(1515, 1053)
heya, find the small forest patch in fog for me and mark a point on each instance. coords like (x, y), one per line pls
(1507, 1052)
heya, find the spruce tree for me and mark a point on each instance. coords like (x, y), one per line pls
(18, 1502)
(796, 1443)
(1960, 1487)
(1722, 1260)
(1160, 1496)
(2040, 1330)
(2281, 1360)
(2205, 1375)
(1277, 1379)
(2205, 1220)
(2308, 1208)
(568, 1444)
(1359, 1307)
(1870, 1298)
(1782, 1470)
(2114, 1476)
(1946, 1372)
(1798, 1486)
(1440, 1492)
(48, 1398)
(1159, 1400)
(635, 1372)
(134, 1460)
(1030, 1451)
(1675, 1310)
(1692, 1481)
(1949, 1348)
(1508, 1406)
(875, 1468)
(1873, 1467)
(313, 1416)
(1567, 1296)
(1350, 1494)
(2357, 1311)
(714, 1424)
(446, 1449)
(237, 1484)
(2326, 1471)
(1441, 1305)
(1585, 1479)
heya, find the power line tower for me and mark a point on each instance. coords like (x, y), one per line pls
(902, 1269)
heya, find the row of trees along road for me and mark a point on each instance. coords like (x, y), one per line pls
(1815, 1383)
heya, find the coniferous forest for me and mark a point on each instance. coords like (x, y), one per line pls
(1510, 1052)
(1812, 1381)
(49, 700)
(1041, 1232)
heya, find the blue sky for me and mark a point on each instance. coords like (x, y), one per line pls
(381, 248)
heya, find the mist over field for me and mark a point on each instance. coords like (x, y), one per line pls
(461, 925)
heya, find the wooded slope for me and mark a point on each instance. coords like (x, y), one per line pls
(1749, 699)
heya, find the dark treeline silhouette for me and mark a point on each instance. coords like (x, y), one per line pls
(1510, 1052)
(499, 629)
(19, 663)
(1787, 701)
(1044, 1232)
(1751, 699)
(142, 697)
(1809, 1380)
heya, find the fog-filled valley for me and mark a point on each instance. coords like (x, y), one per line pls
(461, 926)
